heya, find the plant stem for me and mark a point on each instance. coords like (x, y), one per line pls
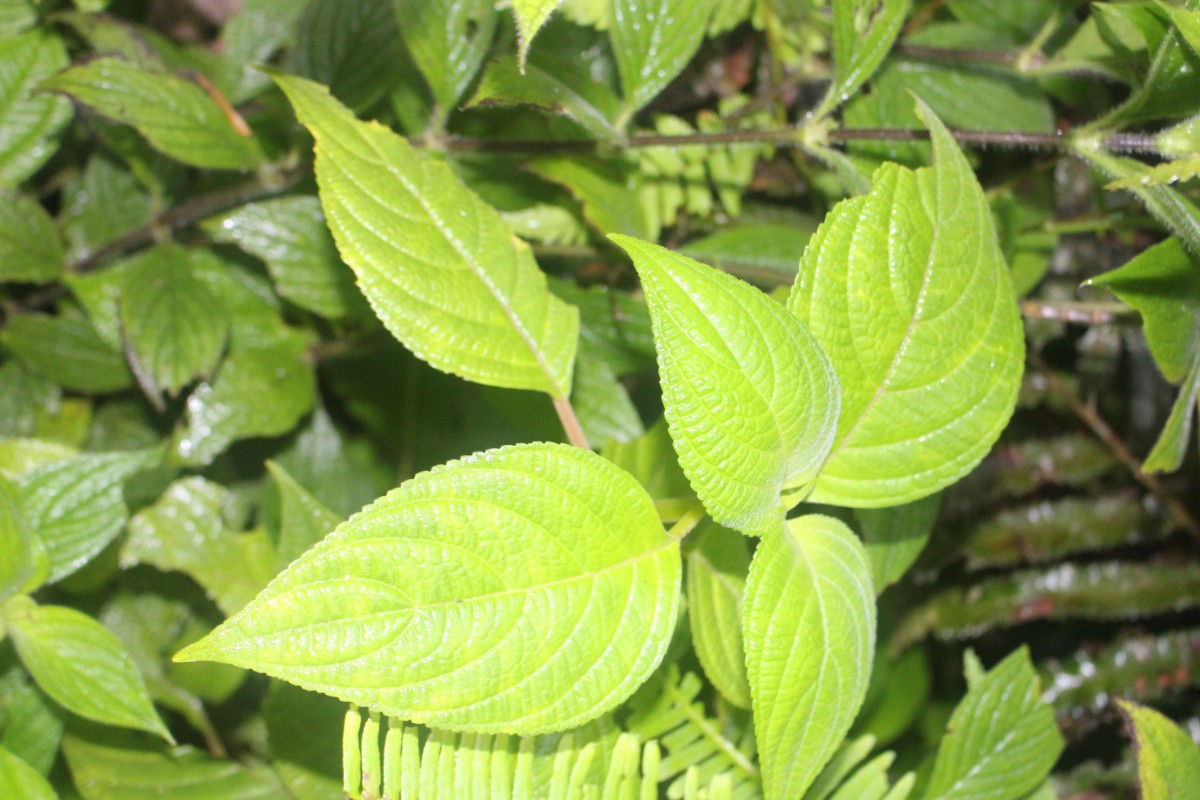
(1086, 313)
(687, 521)
(570, 423)
(1088, 416)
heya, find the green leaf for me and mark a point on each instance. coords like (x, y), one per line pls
(895, 537)
(750, 398)
(31, 722)
(175, 328)
(30, 123)
(530, 15)
(1167, 758)
(30, 249)
(589, 105)
(764, 254)
(809, 625)
(261, 389)
(1002, 739)
(16, 546)
(252, 36)
(716, 581)
(1168, 452)
(16, 17)
(602, 403)
(176, 116)
(448, 40)
(458, 290)
(1186, 21)
(106, 771)
(653, 41)
(75, 507)
(68, 351)
(907, 291)
(493, 639)
(304, 731)
(304, 520)
(18, 779)
(76, 661)
(609, 202)
(290, 236)
(651, 459)
(353, 48)
(863, 34)
(185, 531)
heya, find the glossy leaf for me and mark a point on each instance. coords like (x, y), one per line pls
(808, 622)
(30, 249)
(304, 520)
(589, 106)
(258, 391)
(653, 41)
(1167, 758)
(76, 661)
(895, 537)
(174, 327)
(859, 48)
(362, 617)
(68, 351)
(531, 15)
(1001, 741)
(75, 506)
(175, 115)
(448, 40)
(18, 779)
(438, 265)
(185, 531)
(106, 770)
(750, 397)
(31, 123)
(907, 292)
(290, 236)
(716, 582)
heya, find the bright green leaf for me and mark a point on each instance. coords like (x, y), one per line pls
(555, 597)
(895, 537)
(651, 459)
(809, 625)
(304, 520)
(30, 249)
(80, 664)
(16, 548)
(863, 34)
(68, 351)
(353, 48)
(531, 15)
(716, 581)
(175, 115)
(185, 531)
(290, 236)
(104, 770)
(653, 41)
(1187, 22)
(16, 17)
(602, 403)
(19, 780)
(448, 40)
(30, 123)
(908, 293)
(1002, 739)
(608, 198)
(1168, 452)
(175, 328)
(591, 106)
(75, 506)
(260, 390)
(750, 397)
(1167, 758)
(438, 265)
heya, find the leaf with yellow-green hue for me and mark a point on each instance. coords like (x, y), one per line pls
(554, 596)
(750, 398)
(303, 519)
(1167, 758)
(18, 779)
(716, 581)
(531, 16)
(438, 265)
(907, 291)
(808, 620)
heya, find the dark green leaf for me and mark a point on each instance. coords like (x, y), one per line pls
(304, 520)
(716, 581)
(252, 36)
(353, 48)
(304, 730)
(653, 41)
(68, 351)
(30, 123)
(764, 254)
(863, 34)
(449, 40)
(895, 537)
(574, 96)
(602, 403)
(30, 250)
(31, 723)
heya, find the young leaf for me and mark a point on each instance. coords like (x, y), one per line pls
(653, 41)
(75, 506)
(448, 39)
(18, 779)
(30, 123)
(531, 15)
(438, 265)
(554, 596)
(304, 520)
(716, 582)
(30, 248)
(174, 327)
(895, 537)
(1001, 741)
(1167, 758)
(175, 115)
(809, 625)
(751, 399)
(907, 291)
(80, 664)
(858, 51)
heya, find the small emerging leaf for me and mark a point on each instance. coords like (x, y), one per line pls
(554, 596)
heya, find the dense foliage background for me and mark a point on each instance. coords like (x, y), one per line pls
(194, 390)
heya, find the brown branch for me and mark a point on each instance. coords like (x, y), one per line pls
(1088, 416)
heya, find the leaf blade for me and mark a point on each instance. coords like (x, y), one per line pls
(1167, 758)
